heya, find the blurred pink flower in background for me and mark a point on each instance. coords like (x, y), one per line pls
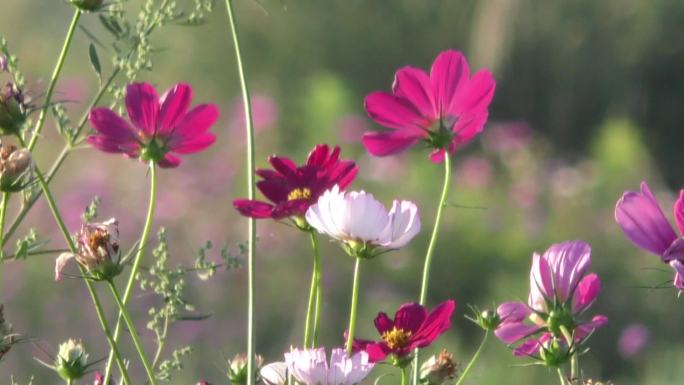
(507, 137)
(633, 340)
(385, 169)
(265, 114)
(72, 89)
(350, 128)
(474, 172)
(525, 192)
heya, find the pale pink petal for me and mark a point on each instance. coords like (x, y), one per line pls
(60, 264)
(513, 311)
(510, 332)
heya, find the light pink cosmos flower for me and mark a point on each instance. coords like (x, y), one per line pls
(274, 373)
(310, 366)
(560, 291)
(643, 222)
(363, 224)
(445, 108)
(160, 128)
(633, 340)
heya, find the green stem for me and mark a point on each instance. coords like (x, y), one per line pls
(134, 333)
(354, 305)
(53, 81)
(574, 360)
(251, 224)
(72, 247)
(561, 376)
(70, 381)
(431, 248)
(136, 262)
(312, 311)
(475, 357)
(3, 211)
(403, 375)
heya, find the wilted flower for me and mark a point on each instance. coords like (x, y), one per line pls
(274, 373)
(98, 251)
(87, 5)
(161, 129)
(633, 340)
(446, 108)
(363, 224)
(560, 291)
(644, 223)
(71, 361)
(413, 327)
(13, 109)
(439, 369)
(237, 368)
(293, 189)
(15, 167)
(310, 366)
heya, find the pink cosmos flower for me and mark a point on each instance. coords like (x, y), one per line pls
(160, 128)
(643, 222)
(445, 108)
(264, 112)
(413, 327)
(310, 366)
(560, 291)
(633, 340)
(292, 188)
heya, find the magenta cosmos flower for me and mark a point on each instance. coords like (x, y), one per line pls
(560, 292)
(292, 189)
(411, 328)
(643, 222)
(160, 128)
(445, 108)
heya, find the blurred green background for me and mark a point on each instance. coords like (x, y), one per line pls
(588, 104)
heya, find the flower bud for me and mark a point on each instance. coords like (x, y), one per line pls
(6, 336)
(71, 362)
(237, 368)
(87, 5)
(99, 379)
(438, 370)
(98, 251)
(555, 352)
(14, 166)
(13, 109)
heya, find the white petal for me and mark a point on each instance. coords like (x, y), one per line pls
(274, 373)
(60, 263)
(404, 224)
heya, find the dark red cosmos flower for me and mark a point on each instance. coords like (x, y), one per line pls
(411, 328)
(293, 189)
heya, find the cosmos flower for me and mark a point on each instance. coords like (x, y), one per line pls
(292, 189)
(560, 291)
(274, 373)
(643, 222)
(160, 128)
(310, 366)
(362, 224)
(412, 327)
(446, 108)
(633, 340)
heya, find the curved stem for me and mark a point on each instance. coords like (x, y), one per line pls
(561, 376)
(431, 248)
(403, 375)
(72, 247)
(354, 305)
(53, 81)
(134, 333)
(313, 308)
(136, 262)
(251, 224)
(3, 211)
(472, 360)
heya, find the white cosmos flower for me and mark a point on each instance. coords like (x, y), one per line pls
(310, 366)
(356, 217)
(274, 373)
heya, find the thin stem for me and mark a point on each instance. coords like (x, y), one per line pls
(431, 248)
(312, 311)
(403, 375)
(354, 305)
(574, 360)
(70, 381)
(53, 81)
(72, 247)
(561, 376)
(136, 261)
(3, 211)
(475, 357)
(134, 333)
(251, 224)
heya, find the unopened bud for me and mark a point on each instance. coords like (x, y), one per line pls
(6, 336)
(438, 370)
(237, 368)
(13, 109)
(71, 362)
(15, 165)
(555, 352)
(88, 5)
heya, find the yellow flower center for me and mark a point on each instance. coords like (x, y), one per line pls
(299, 193)
(396, 338)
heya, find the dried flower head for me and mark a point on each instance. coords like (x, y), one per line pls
(13, 109)
(15, 168)
(439, 369)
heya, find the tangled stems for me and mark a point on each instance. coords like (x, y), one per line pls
(315, 293)
(251, 224)
(475, 357)
(134, 333)
(354, 305)
(431, 248)
(136, 266)
(574, 360)
(53, 81)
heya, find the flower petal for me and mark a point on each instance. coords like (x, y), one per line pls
(643, 221)
(195, 144)
(413, 84)
(253, 208)
(107, 144)
(383, 323)
(109, 124)
(169, 161)
(436, 323)
(529, 348)
(569, 262)
(195, 123)
(377, 352)
(60, 264)
(475, 95)
(679, 212)
(394, 112)
(449, 72)
(513, 311)
(174, 105)
(587, 328)
(510, 332)
(274, 373)
(142, 104)
(389, 143)
(410, 317)
(404, 224)
(587, 291)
